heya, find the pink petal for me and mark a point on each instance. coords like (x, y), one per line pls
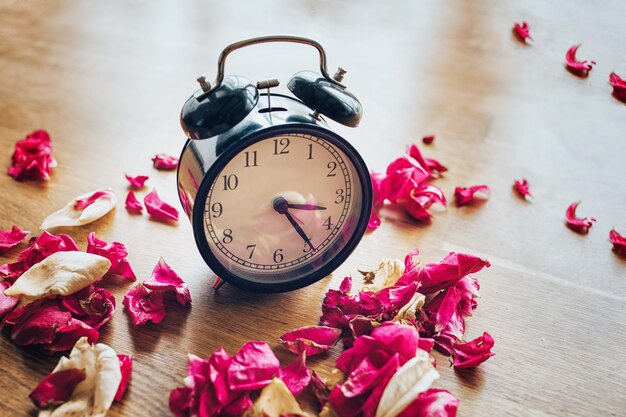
(164, 162)
(158, 209)
(312, 340)
(421, 199)
(579, 68)
(374, 221)
(32, 158)
(435, 402)
(126, 367)
(253, 367)
(578, 225)
(11, 238)
(93, 306)
(132, 204)
(143, 305)
(473, 353)
(57, 387)
(7, 303)
(164, 278)
(522, 188)
(522, 30)
(319, 388)
(136, 182)
(115, 252)
(619, 86)
(86, 202)
(463, 195)
(428, 139)
(618, 241)
(296, 375)
(67, 336)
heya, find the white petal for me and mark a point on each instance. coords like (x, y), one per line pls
(274, 401)
(62, 273)
(413, 378)
(409, 310)
(93, 396)
(386, 275)
(69, 216)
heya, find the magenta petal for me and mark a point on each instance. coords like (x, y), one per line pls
(578, 225)
(522, 188)
(67, 336)
(576, 67)
(11, 238)
(164, 278)
(473, 353)
(420, 199)
(158, 209)
(619, 86)
(115, 252)
(522, 30)
(57, 387)
(32, 158)
(428, 139)
(38, 322)
(253, 367)
(94, 307)
(312, 340)
(143, 305)
(97, 195)
(435, 402)
(618, 241)
(463, 195)
(126, 367)
(132, 204)
(296, 375)
(7, 303)
(138, 181)
(164, 162)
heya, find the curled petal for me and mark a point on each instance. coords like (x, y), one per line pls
(619, 86)
(7, 303)
(275, 400)
(296, 375)
(465, 195)
(144, 305)
(164, 278)
(11, 238)
(158, 209)
(523, 188)
(473, 353)
(93, 306)
(253, 367)
(164, 162)
(132, 204)
(32, 158)
(136, 182)
(82, 210)
(57, 387)
(115, 252)
(618, 241)
(578, 225)
(435, 402)
(579, 68)
(522, 30)
(126, 368)
(428, 139)
(421, 199)
(312, 340)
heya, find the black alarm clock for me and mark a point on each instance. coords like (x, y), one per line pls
(276, 199)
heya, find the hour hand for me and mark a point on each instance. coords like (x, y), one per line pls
(305, 207)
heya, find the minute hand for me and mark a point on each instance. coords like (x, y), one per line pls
(305, 207)
(299, 229)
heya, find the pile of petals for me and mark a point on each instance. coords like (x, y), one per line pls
(619, 86)
(12, 238)
(406, 182)
(85, 383)
(32, 158)
(579, 68)
(618, 241)
(164, 162)
(466, 195)
(579, 225)
(82, 210)
(144, 301)
(523, 31)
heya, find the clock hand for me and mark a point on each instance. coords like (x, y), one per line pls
(305, 207)
(282, 207)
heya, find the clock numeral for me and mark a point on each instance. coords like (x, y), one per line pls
(251, 159)
(340, 197)
(251, 248)
(328, 223)
(310, 152)
(307, 248)
(217, 209)
(332, 165)
(228, 236)
(284, 142)
(230, 182)
(278, 256)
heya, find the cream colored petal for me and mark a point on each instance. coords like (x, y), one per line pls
(274, 401)
(62, 273)
(93, 396)
(408, 312)
(413, 378)
(68, 216)
(386, 275)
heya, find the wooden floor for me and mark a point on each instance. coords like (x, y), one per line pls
(108, 79)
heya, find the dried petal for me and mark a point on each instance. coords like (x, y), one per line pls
(522, 188)
(126, 368)
(62, 273)
(473, 353)
(132, 204)
(93, 396)
(158, 209)
(579, 68)
(57, 387)
(435, 402)
(92, 306)
(296, 375)
(32, 158)
(253, 367)
(275, 401)
(618, 241)
(7, 303)
(428, 139)
(115, 252)
(136, 182)
(463, 195)
(386, 275)
(82, 210)
(164, 278)
(312, 340)
(164, 162)
(11, 238)
(619, 86)
(578, 225)
(143, 305)
(522, 30)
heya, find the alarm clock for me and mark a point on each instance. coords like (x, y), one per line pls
(276, 199)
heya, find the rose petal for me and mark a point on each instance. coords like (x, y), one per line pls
(522, 188)
(136, 182)
(7, 303)
(132, 204)
(126, 368)
(619, 86)
(115, 252)
(158, 209)
(463, 195)
(579, 68)
(93, 306)
(473, 353)
(143, 305)
(434, 402)
(57, 387)
(522, 30)
(428, 139)
(578, 225)
(421, 199)
(164, 278)
(32, 158)
(253, 367)
(312, 340)
(296, 375)
(11, 238)
(275, 401)
(618, 241)
(82, 210)
(164, 162)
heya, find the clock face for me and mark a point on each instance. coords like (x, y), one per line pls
(283, 208)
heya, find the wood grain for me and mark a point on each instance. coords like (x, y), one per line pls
(107, 80)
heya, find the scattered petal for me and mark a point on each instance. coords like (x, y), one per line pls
(312, 340)
(158, 209)
(253, 367)
(92, 306)
(115, 252)
(618, 241)
(132, 204)
(62, 273)
(473, 353)
(296, 375)
(619, 86)
(126, 368)
(578, 225)
(435, 402)
(463, 195)
(144, 305)
(164, 278)
(7, 303)
(275, 401)
(523, 188)
(11, 238)
(57, 387)
(32, 158)
(164, 162)
(421, 199)
(136, 182)
(428, 139)
(579, 68)
(522, 30)
(82, 210)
